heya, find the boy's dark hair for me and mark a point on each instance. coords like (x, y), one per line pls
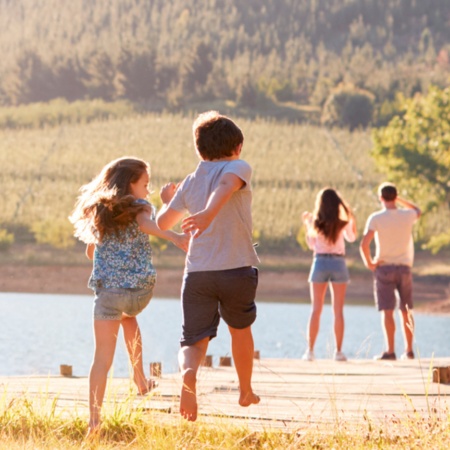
(216, 136)
(388, 192)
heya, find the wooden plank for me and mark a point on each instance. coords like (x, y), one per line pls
(293, 393)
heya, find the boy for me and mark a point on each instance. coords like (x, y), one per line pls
(219, 280)
(392, 229)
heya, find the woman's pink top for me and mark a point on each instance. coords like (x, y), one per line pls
(318, 244)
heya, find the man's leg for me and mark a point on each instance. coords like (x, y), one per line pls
(189, 358)
(408, 329)
(242, 348)
(388, 325)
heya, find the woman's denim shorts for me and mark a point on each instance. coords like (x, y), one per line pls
(328, 267)
(111, 303)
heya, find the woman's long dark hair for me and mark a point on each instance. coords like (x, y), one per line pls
(105, 204)
(331, 214)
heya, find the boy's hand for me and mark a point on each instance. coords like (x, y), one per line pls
(196, 224)
(167, 192)
(181, 240)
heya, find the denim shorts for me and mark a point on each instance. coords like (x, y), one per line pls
(391, 281)
(328, 267)
(111, 303)
(208, 296)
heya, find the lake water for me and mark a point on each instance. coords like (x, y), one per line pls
(41, 331)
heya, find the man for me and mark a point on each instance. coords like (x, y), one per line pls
(392, 229)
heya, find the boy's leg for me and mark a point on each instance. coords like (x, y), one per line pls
(105, 335)
(338, 298)
(317, 291)
(133, 342)
(189, 358)
(242, 348)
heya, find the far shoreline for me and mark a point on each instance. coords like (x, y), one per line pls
(283, 286)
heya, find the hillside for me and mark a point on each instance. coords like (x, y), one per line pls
(173, 53)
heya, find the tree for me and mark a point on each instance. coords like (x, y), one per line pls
(414, 149)
(348, 107)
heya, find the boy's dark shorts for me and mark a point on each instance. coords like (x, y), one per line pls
(210, 295)
(391, 280)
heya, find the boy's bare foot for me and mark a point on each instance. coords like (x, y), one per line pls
(248, 398)
(188, 399)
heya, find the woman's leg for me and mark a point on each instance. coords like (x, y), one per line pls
(338, 298)
(133, 342)
(105, 335)
(317, 291)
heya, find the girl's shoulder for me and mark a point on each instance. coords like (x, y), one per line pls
(142, 201)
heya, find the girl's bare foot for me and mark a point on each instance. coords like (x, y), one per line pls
(188, 399)
(93, 430)
(248, 398)
(144, 390)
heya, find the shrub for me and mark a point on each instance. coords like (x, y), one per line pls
(348, 107)
(6, 240)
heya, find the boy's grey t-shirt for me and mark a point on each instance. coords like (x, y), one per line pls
(227, 242)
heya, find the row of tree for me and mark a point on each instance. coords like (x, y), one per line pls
(169, 53)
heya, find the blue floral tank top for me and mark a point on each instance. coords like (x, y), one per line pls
(124, 260)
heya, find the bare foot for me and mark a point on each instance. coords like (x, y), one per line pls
(151, 384)
(188, 399)
(93, 431)
(248, 398)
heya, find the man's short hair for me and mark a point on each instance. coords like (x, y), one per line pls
(387, 191)
(216, 136)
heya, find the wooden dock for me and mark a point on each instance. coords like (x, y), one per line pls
(294, 394)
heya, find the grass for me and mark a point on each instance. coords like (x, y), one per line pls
(37, 424)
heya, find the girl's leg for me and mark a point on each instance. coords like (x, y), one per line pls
(242, 348)
(317, 291)
(133, 342)
(338, 298)
(105, 336)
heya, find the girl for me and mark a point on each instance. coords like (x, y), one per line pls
(113, 218)
(331, 222)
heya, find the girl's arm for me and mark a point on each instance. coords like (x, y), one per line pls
(310, 236)
(350, 228)
(148, 226)
(90, 248)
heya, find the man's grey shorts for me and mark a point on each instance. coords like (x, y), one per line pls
(111, 303)
(391, 280)
(208, 296)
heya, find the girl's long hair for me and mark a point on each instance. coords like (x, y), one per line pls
(106, 205)
(331, 214)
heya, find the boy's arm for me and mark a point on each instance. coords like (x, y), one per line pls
(167, 217)
(148, 226)
(198, 223)
(409, 205)
(364, 249)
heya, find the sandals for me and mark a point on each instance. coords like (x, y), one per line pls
(151, 384)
